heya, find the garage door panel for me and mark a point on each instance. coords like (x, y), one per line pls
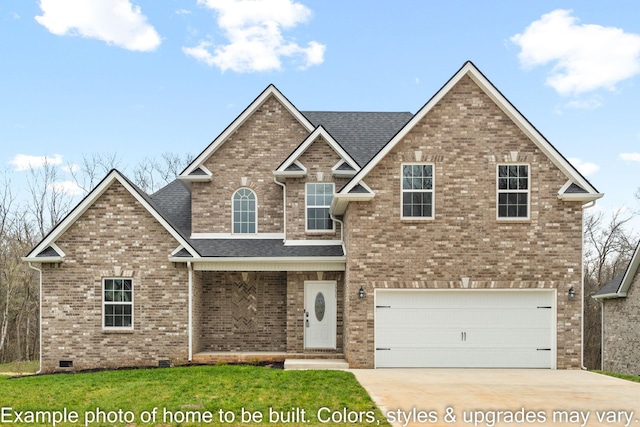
(464, 328)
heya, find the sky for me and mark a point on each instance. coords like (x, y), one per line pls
(143, 77)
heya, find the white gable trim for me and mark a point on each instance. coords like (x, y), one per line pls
(320, 131)
(271, 90)
(468, 69)
(630, 273)
(88, 201)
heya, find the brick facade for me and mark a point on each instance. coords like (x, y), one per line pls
(621, 351)
(116, 237)
(464, 136)
(248, 159)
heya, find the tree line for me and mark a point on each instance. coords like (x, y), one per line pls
(27, 217)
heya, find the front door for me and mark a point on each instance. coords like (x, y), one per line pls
(320, 314)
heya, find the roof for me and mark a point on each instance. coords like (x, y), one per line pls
(619, 286)
(256, 248)
(362, 134)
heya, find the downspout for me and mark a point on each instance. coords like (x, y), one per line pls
(333, 218)
(39, 315)
(190, 304)
(602, 334)
(284, 206)
(584, 368)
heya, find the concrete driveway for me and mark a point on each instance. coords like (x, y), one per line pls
(501, 397)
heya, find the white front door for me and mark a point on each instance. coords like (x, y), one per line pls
(320, 314)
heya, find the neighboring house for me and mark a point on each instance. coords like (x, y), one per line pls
(451, 237)
(620, 300)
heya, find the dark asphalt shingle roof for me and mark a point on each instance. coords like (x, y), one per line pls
(48, 252)
(261, 248)
(173, 203)
(613, 285)
(575, 189)
(361, 134)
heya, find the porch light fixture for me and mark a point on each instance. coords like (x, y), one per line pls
(571, 293)
(361, 293)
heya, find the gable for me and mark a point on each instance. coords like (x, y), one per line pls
(191, 172)
(469, 71)
(42, 252)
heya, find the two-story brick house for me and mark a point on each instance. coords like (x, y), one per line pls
(449, 237)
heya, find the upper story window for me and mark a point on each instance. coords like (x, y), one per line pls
(513, 191)
(117, 303)
(417, 191)
(244, 211)
(318, 202)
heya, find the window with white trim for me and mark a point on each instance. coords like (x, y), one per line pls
(513, 191)
(244, 211)
(117, 303)
(417, 191)
(318, 203)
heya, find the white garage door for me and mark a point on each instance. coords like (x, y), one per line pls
(465, 328)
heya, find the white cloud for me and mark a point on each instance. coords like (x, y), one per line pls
(183, 12)
(116, 22)
(23, 162)
(585, 168)
(69, 188)
(630, 157)
(586, 57)
(254, 31)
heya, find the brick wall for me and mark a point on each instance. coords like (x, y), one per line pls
(318, 159)
(243, 311)
(252, 153)
(621, 336)
(464, 136)
(116, 237)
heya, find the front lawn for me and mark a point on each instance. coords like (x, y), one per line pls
(199, 395)
(20, 367)
(635, 378)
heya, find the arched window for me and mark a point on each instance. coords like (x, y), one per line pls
(244, 211)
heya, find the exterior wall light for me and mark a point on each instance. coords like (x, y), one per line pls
(571, 293)
(361, 293)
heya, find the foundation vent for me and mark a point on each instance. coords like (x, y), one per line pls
(65, 363)
(164, 363)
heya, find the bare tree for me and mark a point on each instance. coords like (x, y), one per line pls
(92, 169)
(608, 247)
(151, 174)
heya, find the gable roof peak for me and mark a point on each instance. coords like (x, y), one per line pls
(270, 90)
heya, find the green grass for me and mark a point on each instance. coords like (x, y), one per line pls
(198, 390)
(634, 378)
(20, 367)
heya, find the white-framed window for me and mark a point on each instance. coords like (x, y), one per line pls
(117, 303)
(244, 211)
(318, 202)
(417, 198)
(513, 189)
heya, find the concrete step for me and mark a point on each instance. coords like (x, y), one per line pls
(335, 364)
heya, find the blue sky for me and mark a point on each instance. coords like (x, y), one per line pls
(143, 77)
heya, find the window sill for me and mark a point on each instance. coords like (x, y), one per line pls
(417, 219)
(513, 220)
(118, 331)
(320, 232)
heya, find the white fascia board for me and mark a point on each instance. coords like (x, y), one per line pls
(343, 173)
(198, 178)
(220, 139)
(606, 296)
(580, 197)
(341, 201)
(239, 236)
(317, 132)
(313, 243)
(281, 173)
(89, 200)
(631, 272)
(42, 259)
(266, 264)
(469, 69)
